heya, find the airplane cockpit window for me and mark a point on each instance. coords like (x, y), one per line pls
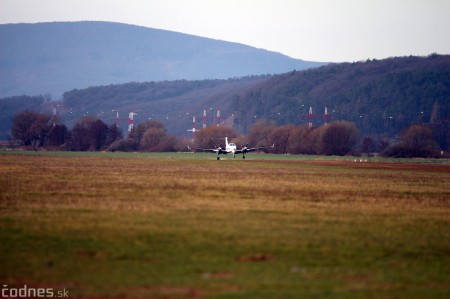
(232, 144)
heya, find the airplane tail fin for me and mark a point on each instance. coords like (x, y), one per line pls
(226, 142)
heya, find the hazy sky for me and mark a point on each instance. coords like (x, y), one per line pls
(317, 30)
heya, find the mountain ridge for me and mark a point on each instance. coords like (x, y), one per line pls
(51, 58)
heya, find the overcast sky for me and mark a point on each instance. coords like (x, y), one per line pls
(316, 30)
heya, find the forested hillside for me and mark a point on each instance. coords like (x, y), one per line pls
(174, 103)
(380, 96)
(51, 58)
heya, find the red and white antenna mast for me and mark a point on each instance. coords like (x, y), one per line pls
(117, 118)
(204, 119)
(310, 116)
(131, 121)
(218, 118)
(194, 129)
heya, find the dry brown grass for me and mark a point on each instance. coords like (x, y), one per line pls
(272, 229)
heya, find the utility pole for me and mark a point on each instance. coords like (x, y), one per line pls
(131, 121)
(218, 118)
(310, 116)
(194, 129)
(204, 119)
(325, 116)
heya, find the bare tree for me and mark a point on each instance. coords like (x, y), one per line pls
(31, 128)
(57, 136)
(314, 140)
(151, 139)
(419, 141)
(139, 132)
(415, 141)
(114, 134)
(258, 134)
(340, 138)
(281, 136)
(89, 133)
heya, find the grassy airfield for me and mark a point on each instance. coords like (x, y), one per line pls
(188, 226)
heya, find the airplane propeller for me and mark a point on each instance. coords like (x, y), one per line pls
(220, 148)
(245, 149)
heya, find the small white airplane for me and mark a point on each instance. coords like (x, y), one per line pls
(230, 148)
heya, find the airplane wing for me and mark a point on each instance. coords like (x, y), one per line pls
(251, 149)
(213, 150)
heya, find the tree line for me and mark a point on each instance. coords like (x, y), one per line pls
(338, 138)
(39, 130)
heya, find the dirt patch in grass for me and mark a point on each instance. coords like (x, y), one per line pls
(261, 257)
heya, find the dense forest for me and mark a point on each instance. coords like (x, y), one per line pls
(381, 97)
